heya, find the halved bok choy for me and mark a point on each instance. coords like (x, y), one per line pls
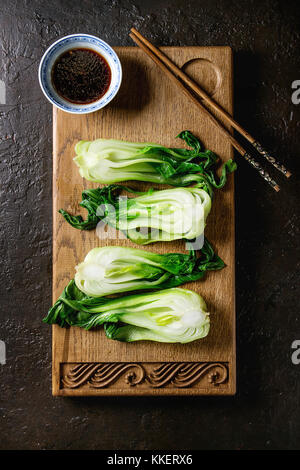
(170, 316)
(166, 215)
(115, 269)
(110, 161)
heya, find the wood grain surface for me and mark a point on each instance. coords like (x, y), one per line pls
(147, 108)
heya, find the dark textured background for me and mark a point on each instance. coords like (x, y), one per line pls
(265, 413)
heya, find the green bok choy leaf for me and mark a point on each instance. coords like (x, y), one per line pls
(169, 316)
(115, 269)
(110, 161)
(165, 215)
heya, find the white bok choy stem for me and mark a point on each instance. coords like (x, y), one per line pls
(115, 269)
(166, 215)
(109, 161)
(171, 315)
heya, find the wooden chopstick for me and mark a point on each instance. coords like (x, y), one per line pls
(215, 106)
(161, 60)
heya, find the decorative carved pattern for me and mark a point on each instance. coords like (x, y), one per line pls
(182, 374)
(149, 375)
(100, 375)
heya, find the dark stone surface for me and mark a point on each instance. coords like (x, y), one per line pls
(265, 412)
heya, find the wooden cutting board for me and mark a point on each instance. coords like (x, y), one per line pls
(147, 108)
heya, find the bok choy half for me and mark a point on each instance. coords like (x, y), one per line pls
(110, 161)
(115, 269)
(166, 215)
(170, 316)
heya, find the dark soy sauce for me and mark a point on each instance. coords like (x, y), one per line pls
(81, 76)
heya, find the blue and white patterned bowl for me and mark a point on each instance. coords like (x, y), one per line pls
(79, 41)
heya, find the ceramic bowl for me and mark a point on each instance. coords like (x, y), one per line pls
(85, 41)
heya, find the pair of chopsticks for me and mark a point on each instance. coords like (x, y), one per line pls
(192, 90)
